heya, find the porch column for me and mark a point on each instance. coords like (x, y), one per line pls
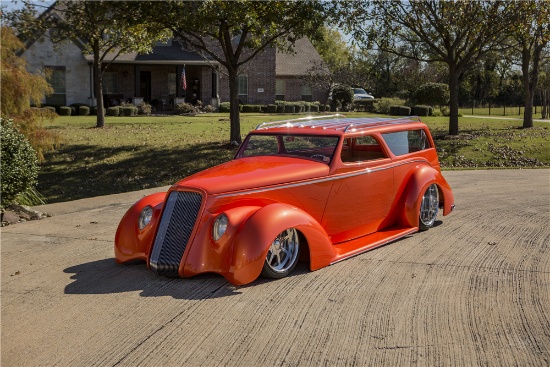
(137, 81)
(215, 94)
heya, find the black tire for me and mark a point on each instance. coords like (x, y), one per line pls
(428, 208)
(283, 254)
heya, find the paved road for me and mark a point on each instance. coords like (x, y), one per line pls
(474, 290)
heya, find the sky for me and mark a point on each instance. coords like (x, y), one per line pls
(10, 5)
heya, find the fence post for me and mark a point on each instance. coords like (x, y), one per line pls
(519, 110)
(489, 108)
(505, 109)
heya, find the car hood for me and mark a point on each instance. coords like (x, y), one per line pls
(254, 172)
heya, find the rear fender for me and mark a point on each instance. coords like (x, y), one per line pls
(419, 181)
(131, 243)
(252, 243)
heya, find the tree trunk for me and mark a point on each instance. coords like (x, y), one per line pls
(234, 113)
(98, 89)
(530, 79)
(453, 102)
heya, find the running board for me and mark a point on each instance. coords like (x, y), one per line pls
(370, 242)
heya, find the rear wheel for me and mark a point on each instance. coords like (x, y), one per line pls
(429, 208)
(282, 256)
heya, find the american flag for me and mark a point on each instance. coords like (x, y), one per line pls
(183, 79)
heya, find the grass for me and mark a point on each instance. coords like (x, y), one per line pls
(134, 153)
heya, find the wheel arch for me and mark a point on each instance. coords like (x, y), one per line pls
(252, 243)
(418, 182)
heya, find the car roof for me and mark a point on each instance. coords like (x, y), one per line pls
(335, 124)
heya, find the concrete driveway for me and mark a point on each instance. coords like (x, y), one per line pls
(474, 290)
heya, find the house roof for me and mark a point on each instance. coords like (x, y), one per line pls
(165, 54)
(297, 63)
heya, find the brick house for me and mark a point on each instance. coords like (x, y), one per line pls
(157, 77)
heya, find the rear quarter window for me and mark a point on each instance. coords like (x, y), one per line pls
(405, 142)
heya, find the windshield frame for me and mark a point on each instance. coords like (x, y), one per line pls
(282, 149)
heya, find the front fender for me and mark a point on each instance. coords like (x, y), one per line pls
(130, 242)
(252, 243)
(419, 181)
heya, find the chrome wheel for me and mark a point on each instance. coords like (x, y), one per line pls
(429, 207)
(282, 256)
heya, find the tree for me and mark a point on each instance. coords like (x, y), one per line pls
(232, 33)
(433, 94)
(105, 29)
(19, 90)
(531, 32)
(456, 33)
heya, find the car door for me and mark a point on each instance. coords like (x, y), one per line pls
(362, 191)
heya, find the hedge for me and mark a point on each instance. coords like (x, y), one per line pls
(83, 111)
(421, 110)
(65, 111)
(251, 108)
(113, 111)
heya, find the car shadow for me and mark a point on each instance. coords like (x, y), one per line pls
(107, 277)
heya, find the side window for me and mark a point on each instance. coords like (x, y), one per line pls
(404, 142)
(361, 149)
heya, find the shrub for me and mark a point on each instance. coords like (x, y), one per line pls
(252, 108)
(144, 108)
(113, 111)
(394, 110)
(422, 110)
(93, 111)
(297, 108)
(433, 94)
(65, 111)
(127, 111)
(75, 108)
(289, 108)
(50, 108)
(19, 163)
(281, 109)
(342, 96)
(83, 111)
(366, 105)
(182, 108)
(314, 108)
(383, 104)
(224, 107)
(404, 111)
(271, 108)
(208, 109)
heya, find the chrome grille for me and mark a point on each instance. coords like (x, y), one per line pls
(177, 222)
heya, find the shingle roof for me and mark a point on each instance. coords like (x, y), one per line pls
(170, 54)
(300, 61)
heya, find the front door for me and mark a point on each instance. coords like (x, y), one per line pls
(145, 85)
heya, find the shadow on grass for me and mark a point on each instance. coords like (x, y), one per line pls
(83, 171)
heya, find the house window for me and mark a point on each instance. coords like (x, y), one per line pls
(280, 87)
(306, 93)
(57, 81)
(172, 83)
(110, 83)
(243, 88)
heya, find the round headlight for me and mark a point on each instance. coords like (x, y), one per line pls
(145, 217)
(220, 226)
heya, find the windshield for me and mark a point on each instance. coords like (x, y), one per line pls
(319, 148)
(359, 91)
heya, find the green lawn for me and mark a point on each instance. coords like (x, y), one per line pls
(134, 153)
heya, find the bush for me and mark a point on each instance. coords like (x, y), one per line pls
(19, 163)
(50, 108)
(422, 110)
(433, 94)
(314, 108)
(271, 108)
(224, 107)
(144, 108)
(252, 108)
(404, 111)
(127, 111)
(93, 111)
(208, 109)
(281, 109)
(113, 111)
(394, 111)
(83, 111)
(75, 108)
(383, 104)
(342, 96)
(366, 105)
(289, 108)
(185, 108)
(65, 111)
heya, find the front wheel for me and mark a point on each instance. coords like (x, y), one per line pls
(282, 256)
(429, 208)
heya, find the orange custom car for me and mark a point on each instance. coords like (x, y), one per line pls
(316, 189)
